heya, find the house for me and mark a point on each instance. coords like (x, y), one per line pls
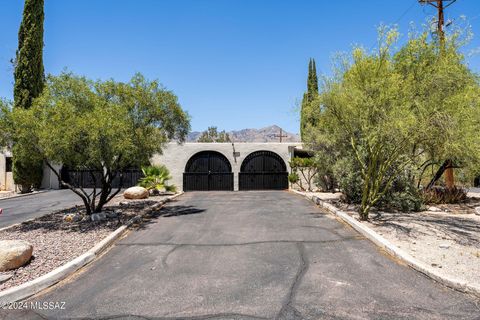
(228, 166)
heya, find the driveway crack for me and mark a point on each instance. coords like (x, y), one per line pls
(353, 238)
(287, 307)
(164, 259)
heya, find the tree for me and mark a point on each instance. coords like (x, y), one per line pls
(307, 113)
(105, 126)
(445, 98)
(212, 135)
(304, 170)
(391, 115)
(29, 82)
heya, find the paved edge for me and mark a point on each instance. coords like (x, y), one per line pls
(26, 194)
(33, 287)
(393, 250)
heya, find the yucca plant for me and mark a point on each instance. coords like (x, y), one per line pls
(155, 178)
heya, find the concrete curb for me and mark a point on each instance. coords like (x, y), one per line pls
(33, 287)
(24, 195)
(393, 250)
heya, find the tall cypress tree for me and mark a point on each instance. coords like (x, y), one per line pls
(29, 72)
(29, 82)
(306, 115)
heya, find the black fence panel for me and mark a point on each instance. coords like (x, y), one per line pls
(83, 178)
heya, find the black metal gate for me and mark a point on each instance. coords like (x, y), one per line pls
(263, 170)
(208, 171)
(83, 178)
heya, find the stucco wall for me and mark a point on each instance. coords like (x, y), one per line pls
(6, 178)
(175, 156)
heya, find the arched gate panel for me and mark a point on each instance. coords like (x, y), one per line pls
(208, 171)
(263, 170)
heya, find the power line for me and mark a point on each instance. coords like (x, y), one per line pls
(400, 17)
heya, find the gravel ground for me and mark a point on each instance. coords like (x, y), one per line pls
(56, 242)
(447, 239)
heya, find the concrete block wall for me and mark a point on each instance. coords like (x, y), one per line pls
(175, 156)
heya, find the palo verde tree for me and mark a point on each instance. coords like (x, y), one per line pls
(29, 82)
(445, 97)
(366, 109)
(105, 126)
(391, 115)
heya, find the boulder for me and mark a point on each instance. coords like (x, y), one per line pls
(135, 193)
(477, 211)
(98, 216)
(14, 254)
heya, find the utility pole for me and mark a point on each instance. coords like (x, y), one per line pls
(281, 135)
(441, 5)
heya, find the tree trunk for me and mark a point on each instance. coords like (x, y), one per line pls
(447, 164)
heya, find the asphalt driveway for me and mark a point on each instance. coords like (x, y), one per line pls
(19, 209)
(250, 255)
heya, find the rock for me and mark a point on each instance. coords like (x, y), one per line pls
(477, 211)
(112, 214)
(135, 193)
(98, 216)
(5, 277)
(14, 254)
(434, 209)
(444, 246)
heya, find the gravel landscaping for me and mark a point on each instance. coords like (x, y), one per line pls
(57, 242)
(446, 237)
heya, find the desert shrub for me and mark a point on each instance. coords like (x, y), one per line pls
(349, 179)
(293, 178)
(438, 195)
(403, 196)
(27, 169)
(155, 178)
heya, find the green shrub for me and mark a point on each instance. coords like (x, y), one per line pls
(27, 170)
(349, 179)
(293, 178)
(155, 178)
(402, 196)
(406, 198)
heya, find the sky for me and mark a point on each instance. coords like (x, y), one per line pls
(233, 64)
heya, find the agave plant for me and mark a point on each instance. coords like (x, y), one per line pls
(155, 178)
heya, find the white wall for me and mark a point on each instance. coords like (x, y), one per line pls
(6, 178)
(175, 156)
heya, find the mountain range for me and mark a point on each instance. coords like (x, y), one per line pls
(267, 134)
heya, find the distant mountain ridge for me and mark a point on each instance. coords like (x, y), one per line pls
(267, 134)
